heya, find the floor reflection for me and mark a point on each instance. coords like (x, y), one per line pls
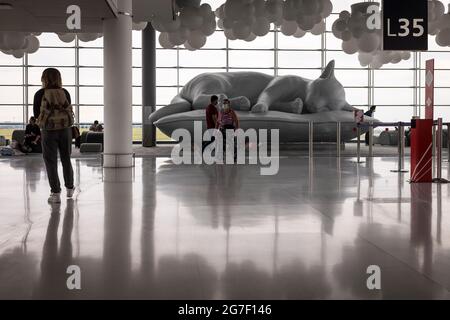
(161, 231)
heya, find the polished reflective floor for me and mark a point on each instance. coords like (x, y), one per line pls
(165, 231)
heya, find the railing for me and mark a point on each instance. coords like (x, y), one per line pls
(437, 141)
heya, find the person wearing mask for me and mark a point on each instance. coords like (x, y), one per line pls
(53, 111)
(32, 137)
(211, 118)
(227, 120)
(96, 127)
(369, 113)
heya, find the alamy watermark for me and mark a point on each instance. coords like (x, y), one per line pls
(229, 149)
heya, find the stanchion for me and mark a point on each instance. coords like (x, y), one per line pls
(338, 139)
(401, 148)
(448, 142)
(311, 139)
(371, 140)
(358, 146)
(439, 178)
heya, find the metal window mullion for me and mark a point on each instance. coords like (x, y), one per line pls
(24, 102)
(77, 80)
(178, 69)
(275, 53)
(227, 55)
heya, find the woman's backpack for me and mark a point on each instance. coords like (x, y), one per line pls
(56, 112)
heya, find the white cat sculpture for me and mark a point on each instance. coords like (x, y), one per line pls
(287, 103)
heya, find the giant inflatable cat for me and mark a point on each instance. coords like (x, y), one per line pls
(262, 101)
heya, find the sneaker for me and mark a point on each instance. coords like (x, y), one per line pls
(70, 192)
(54, 198)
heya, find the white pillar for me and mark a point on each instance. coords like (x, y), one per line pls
(117, 55)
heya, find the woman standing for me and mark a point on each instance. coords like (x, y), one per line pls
(53, 111)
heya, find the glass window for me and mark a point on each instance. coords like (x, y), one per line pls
(202, 58)
(88, 114)
(11, 95)
(52, 57)
(165, 95)
(166, 77)
(394, 96)
(299, 59)
(10, 75)
(251, 59)
(91, 95)
(91, 76)
(91, 57)
(11, 114)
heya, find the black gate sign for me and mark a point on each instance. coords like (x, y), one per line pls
(405, 25)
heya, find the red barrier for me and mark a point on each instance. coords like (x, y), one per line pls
(421, 150)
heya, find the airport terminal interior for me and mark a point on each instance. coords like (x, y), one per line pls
(339, 189)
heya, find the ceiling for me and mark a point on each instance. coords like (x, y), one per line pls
(51, 16)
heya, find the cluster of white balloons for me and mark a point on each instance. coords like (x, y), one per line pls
(192, 25)
(18, 43)
(439, 22)
(352, 28)
(248, 19)
(304, 16)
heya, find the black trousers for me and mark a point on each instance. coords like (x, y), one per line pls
(52, 142)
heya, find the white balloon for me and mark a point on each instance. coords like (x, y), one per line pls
(349, 47)
(205, 10)
(14, 40)
(196, 40)
(311, 7)
(443, 37)
(157, 25)
(406, 55)
(191, 18)
(171, 25)
(208, 28)
(66, 37)
(86, 37)
(261, 27)
(307, 24)
(229, 34)
(327, 8)
(318, 28)
(346, 35)
(220, 24)
(18, 53)
(340, 25)
(188, 46)
(179, 37)
(368, 42)
(376, 64)
(251, 37)
(344, 15)
(299, 33)
(241, 30)
(33, 44)
(288, 28)
(164, 41)
(139, 26)
(365, 59)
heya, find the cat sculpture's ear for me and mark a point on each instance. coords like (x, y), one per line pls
(328, 73)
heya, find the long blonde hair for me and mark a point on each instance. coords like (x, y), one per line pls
(51, 79)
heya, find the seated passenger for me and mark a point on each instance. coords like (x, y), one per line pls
(227, 120)
(96, 127)
(32, 142)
